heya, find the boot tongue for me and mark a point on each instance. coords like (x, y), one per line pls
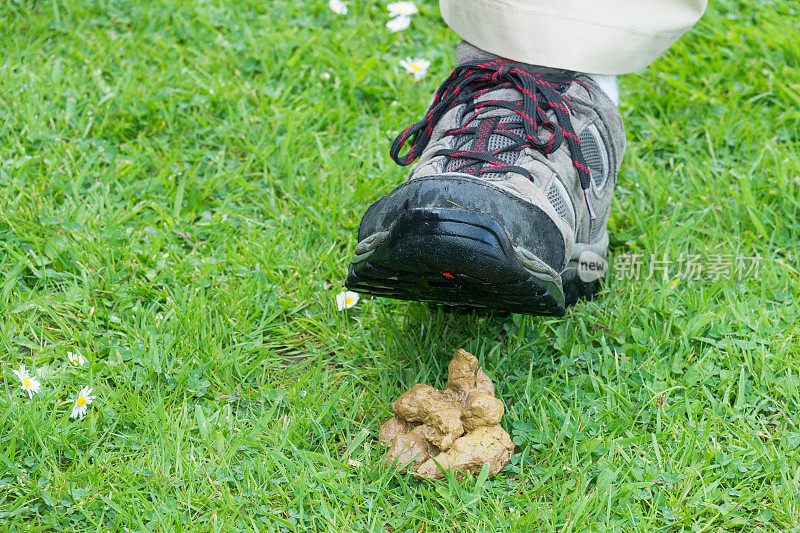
(487, 120)
(509, 95)
(467, 52)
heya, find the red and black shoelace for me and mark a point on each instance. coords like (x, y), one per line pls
(540, 93)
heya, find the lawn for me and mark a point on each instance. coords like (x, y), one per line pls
(181, 188)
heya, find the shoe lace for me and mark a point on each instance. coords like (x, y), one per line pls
(540, 93)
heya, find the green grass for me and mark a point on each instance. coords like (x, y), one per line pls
(181, 187)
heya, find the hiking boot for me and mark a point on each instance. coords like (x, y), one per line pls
(515, 171)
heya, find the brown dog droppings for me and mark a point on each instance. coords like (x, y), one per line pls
(462, 374)
(392, 428)
(483, 383)
(482, 409)
(408, 447)
(458, 427)
(441, 428)
(486, 445)
(415, 404)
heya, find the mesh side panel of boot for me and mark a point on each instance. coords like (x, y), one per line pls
(595, 155)
(559, 198)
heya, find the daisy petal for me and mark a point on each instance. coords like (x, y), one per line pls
(338, 7)
(398, 24)
(417, 67)
(82, 402)
(402, 9)
(346, 300)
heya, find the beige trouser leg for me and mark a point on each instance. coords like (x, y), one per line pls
(595, 36)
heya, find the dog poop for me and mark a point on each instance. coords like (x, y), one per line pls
(458, 427)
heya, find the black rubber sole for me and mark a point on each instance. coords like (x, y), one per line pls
(455, 257)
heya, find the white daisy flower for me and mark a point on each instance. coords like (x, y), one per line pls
(417, 67)
(398, 24)
(402, 9)
(346, 300)
(76, 359)
(338, 7)
(82, 403)
(29, 384)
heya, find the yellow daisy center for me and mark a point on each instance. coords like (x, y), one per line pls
(349, 301)
(415, 67)
(26, 381)
(81, 401)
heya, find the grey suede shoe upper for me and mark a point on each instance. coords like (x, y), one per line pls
(555, 189)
